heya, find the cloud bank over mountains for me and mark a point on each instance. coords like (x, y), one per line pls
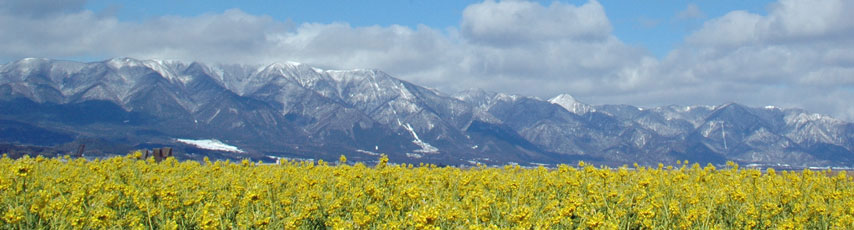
(801, 54)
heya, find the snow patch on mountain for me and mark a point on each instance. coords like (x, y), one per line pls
(803, 118)
(118, 63)
(367, 152)
(210, 144)
(162, 68)
(507, 97)
(425, 147)
(27, 65)
(571, 104)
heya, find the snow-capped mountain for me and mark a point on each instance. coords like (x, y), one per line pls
(299, 111)
(571, 104)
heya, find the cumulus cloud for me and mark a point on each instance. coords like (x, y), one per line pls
(231, 35)
(519, 22)
(800, 49)
(788, 21)
(395, 49)
(528, 48)
(798, 55)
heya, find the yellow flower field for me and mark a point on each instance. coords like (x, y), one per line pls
(126, 193)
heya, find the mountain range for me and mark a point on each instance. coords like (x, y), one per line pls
(293, 110)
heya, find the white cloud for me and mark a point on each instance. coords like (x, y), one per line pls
(798, 55)
(232, 35)
(395, 49)
(788, 21)
(226, 37)
(691, 12)
(734, 28)
(793, 19)
(527, 48)
(519, 22)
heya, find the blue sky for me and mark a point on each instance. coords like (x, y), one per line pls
(785, 53)
(653, 25)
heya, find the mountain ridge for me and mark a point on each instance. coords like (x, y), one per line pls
(299, 111)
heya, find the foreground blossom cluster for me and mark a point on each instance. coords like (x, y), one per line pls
(124, 192)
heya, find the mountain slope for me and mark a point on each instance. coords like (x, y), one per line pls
(298, 111)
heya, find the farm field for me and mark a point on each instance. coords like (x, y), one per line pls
(127, 193)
